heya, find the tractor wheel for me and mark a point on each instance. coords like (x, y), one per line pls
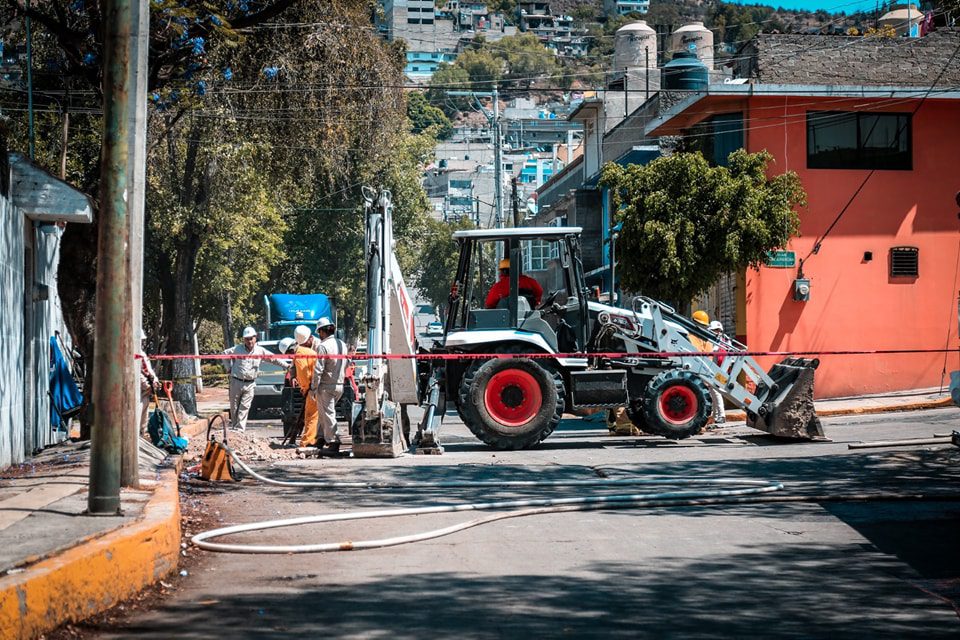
(511, 404)
(676, 405)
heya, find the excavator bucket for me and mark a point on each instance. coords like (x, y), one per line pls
(788, 411)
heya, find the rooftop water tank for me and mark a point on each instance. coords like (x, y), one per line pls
(632, 44)
(694, 37)
(685, 73)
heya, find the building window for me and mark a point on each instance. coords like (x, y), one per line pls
(537, 254)
(461, 184)
(904, 261)
(853, 140)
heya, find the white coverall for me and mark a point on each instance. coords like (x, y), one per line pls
(328, 376)
(243, 382)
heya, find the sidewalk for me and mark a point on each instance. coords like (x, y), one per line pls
(57, 565)
(875, 403)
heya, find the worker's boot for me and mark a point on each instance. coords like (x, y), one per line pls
(331, 450)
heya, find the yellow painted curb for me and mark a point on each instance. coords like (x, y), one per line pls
(850, 411)
(97, 574)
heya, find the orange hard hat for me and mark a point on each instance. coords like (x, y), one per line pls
(505, 263)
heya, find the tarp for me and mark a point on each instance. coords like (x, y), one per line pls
(65, 397)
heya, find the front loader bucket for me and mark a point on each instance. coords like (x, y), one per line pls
(788, 410)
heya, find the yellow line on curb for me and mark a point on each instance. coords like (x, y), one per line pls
(97, 574)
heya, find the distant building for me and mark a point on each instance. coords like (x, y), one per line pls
(869, 134)
(612, 8)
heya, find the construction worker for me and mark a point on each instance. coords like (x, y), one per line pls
(529, 288)
(304, 367)
(716, 328)
(702, 345)
(243, 373)
(706, 346)
(149, 385)
(328, 377)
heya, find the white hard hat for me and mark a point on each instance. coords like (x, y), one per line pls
(302, 333)
(325, 322)
(716, 325)
(285, 344)
(249, 332)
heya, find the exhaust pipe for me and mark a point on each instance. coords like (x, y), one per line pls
(788, 411)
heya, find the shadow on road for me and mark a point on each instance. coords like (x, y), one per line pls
(770, 591)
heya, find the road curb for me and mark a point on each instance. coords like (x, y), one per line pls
(733, 416)
(98, 573)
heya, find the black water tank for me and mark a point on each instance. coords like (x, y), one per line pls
(685, 73)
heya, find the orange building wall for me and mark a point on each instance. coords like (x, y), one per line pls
(855, 305)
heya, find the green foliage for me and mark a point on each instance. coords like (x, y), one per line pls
(524, 59)
(483, 69)
(426, 117)
(438, 261)
(449, 77)
(685, 223)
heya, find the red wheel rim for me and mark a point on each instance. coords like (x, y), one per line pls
(513, 397)
(678, 404)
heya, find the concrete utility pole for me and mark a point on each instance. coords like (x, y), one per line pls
(497, 160)
(112, 351)
(494, 120)
(516, 202)
(136, 171)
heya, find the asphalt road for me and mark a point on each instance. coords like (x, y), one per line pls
(830, 569)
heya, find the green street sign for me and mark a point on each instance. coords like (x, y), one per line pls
(781, 259)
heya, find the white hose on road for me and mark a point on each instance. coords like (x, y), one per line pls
(518, 507)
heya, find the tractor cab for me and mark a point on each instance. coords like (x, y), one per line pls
(521, 284)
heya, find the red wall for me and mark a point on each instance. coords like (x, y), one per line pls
(854, 304)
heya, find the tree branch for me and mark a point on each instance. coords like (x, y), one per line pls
(254, 19)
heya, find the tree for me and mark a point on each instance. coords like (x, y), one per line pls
(524, 58)
(438, 261)
(424, 116)
(449, 77)
(685, 223)
(482, 68)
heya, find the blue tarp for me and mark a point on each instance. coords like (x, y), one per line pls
(65, 397)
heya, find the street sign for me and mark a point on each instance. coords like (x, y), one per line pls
(781, 259)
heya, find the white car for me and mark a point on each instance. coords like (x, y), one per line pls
(435, 329)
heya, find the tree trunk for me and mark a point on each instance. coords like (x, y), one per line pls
(226, 319)
(178, 292)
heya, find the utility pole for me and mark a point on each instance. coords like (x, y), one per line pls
(494, 120)
(112, 338)
(497, 161)
(516, 202)
(136, 171)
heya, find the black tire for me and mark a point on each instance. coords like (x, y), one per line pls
(676, 405)
(635, 413)
(521, 381)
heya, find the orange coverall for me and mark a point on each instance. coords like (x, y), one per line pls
(304, 369)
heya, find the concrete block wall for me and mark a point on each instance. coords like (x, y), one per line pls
(852, 60)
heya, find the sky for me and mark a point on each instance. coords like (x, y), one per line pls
(831, 6)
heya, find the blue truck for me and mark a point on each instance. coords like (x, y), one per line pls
(283, 312)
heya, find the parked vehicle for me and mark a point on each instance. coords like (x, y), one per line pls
(284, 311)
